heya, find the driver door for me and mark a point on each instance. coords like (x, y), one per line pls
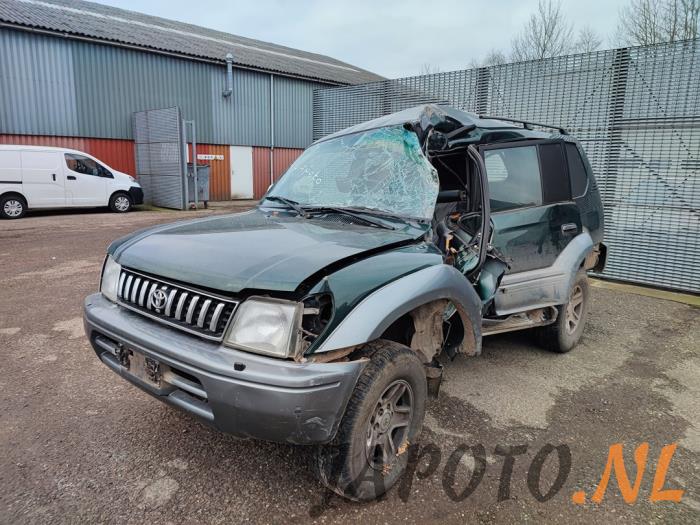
(86, 181)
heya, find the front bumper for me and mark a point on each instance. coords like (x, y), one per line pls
(136, 194)
(237, 392)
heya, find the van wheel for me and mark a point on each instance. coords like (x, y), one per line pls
(383, 417)
(12, 207)
(120, 203)
(565, 333)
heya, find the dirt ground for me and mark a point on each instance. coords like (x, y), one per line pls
(79, 444)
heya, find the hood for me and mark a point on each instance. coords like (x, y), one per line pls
(124, 178)
(258, 249)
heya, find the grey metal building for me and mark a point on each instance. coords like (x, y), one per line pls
(73, 73)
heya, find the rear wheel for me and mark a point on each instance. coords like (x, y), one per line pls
(120, 203)
(383, 417)
(12, 207)
(566, 331)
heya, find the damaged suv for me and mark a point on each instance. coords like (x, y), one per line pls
(322, 316)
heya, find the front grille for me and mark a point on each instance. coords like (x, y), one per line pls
(188, 309)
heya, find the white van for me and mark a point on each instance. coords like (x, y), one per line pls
(33, 177)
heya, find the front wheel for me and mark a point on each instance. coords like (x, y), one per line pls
(383, 417)
(120, 203)
(566, 331)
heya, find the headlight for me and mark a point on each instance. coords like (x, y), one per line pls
(110, 279)
(266, 326)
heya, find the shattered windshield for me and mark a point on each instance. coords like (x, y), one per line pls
(382, 169)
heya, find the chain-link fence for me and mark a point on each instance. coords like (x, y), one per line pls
(637, 114)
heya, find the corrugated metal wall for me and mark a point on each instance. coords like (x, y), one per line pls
(282, 158)
(118, 154)
(37, 91)
(219, 170)
(294, 107)
(637, 114)
(59, 86)
(261, 171)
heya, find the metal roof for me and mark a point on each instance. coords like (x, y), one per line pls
(113, 25)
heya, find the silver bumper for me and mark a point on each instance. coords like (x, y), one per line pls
(237, 392)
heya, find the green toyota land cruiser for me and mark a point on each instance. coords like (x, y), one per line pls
(323, 315)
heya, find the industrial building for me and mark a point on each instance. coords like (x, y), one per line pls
(73, 74)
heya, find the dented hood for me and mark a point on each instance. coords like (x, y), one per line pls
(253, 250)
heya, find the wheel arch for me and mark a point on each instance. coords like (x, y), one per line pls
(421, 296)
(15, 193)
(117, 192)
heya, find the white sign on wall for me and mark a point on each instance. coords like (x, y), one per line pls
(204, 156)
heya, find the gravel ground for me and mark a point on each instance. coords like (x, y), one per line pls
(79, 444)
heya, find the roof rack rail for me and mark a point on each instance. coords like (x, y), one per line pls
(526, 124)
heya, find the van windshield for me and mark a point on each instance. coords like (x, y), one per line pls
(382, 169)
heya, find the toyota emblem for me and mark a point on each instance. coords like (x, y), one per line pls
(158, 298)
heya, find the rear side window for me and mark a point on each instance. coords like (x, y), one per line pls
(577, 171)
(514, 177)
(82, 164)
(555, 183)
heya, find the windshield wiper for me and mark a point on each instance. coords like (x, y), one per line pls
(381, 213)
(290, 204)
(360, 215)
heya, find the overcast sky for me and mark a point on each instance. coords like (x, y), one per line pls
(393, 38)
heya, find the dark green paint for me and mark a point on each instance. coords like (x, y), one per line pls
(531, 238)
(350, 285)
(256, 250)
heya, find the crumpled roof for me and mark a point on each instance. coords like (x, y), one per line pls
(75, 17)
(424, 113)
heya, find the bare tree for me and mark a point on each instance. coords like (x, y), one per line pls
(588, 40)
(546, 34)
(645, 22)
(429, 69)
(495, 57)
(681, 19)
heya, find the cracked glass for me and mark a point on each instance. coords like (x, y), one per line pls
(382, 169)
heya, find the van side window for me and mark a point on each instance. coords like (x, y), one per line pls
(514, 177)
(577, 171)
(82, 164)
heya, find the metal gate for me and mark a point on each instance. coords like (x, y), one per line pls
(637, 113)
(160, 156)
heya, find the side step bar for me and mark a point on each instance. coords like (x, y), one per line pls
(520, 321)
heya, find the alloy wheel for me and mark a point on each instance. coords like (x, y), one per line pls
(574, 309)
(389, 425)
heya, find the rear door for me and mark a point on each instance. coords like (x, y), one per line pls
(86, 180)
(42, 178)
(530, 196)
(10, 170)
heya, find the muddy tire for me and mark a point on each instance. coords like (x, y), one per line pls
(384, 415)
(12, 206)
(120, 202)
(565, 333)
